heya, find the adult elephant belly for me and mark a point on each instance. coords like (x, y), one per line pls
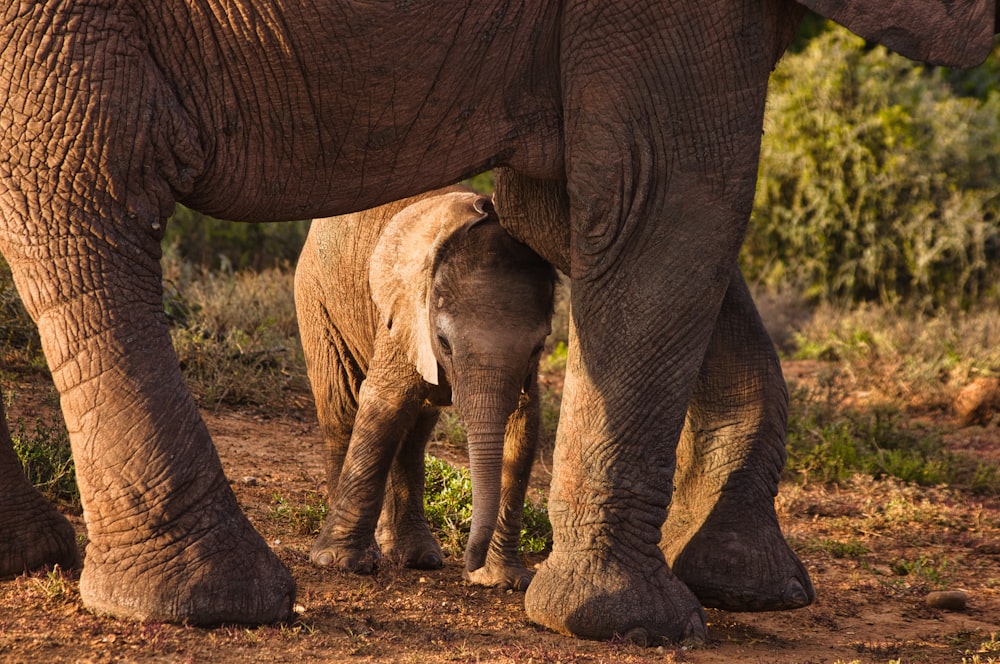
(356, 110)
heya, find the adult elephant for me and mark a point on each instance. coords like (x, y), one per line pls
(640, 120)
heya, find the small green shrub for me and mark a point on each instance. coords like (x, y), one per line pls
(448, 503)
(923, 569)
(45, 456)
(450, 430)
(304, 519)
(448, 506)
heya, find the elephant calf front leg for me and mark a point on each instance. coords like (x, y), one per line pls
(403, 533)
(386, 414)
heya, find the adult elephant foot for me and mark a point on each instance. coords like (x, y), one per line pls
(738, 561)
(223, 572)
(604, 598)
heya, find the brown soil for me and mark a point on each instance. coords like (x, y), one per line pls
(874, 550)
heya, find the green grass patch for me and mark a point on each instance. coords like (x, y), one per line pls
(235, 333)
(923, 568)
(830, 444)
(844, 549)
(305, 518)
(44, 452)
(448, 505)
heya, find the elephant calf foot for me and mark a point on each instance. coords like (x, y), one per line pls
(591, 595)
(221, 572)
(34, 535)
(743, 565)
(355, 559)
(415, 548)
(502, 575)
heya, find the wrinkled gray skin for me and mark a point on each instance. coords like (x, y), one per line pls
(403, 309)
(640, 121)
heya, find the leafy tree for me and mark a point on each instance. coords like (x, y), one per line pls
(877, 182)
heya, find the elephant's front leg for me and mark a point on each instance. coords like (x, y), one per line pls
(662, 135)
(94, 155)
(403, 533)
(389, 407)
(32, 531)
(722, 536)
(504, 565)
(167, 540)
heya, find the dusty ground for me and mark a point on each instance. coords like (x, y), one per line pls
(874, 550)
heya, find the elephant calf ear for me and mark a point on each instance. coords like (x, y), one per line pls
(956, 34)
(400, 271)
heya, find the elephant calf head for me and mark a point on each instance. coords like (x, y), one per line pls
(455, 289)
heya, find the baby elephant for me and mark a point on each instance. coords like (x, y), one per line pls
(405, 309)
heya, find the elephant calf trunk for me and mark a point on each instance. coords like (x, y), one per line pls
(486, 465)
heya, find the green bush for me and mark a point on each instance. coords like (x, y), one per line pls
(46, 459)
(876, 181)
(448, 506)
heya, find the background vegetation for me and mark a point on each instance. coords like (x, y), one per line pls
(878, 178)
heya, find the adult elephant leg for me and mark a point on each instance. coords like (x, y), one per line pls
(94, 154)
(166, 538)
(662, 133)
(722, 536)
(403, 533)
(33, 533)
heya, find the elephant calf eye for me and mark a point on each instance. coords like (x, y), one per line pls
(445, 346)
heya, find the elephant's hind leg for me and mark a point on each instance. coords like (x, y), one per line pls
(33, 533)
(403, 533)
(722, 536)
